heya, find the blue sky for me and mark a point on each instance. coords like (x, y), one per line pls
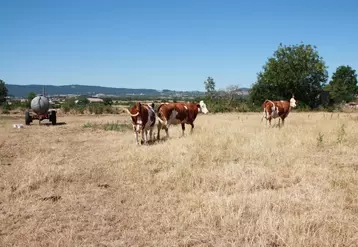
(165, 44)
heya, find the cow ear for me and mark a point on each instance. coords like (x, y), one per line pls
(198, 105)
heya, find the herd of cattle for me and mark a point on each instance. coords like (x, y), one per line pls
(144, 116)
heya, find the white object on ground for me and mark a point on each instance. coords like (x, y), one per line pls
(18, 126)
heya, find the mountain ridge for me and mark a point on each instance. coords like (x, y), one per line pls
(16, 90)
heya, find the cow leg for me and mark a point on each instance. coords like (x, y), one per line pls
(268, 118)
(135, 134)
(136, 137)
(167, 131)
(159, 126)
(192, 128)
(166, 128)
(264, 115)
(183, 128)
(151, 134)
(167, 125)
(144, 136)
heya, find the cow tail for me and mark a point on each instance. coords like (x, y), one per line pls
(159, 115)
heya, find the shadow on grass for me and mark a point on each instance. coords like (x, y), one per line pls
(57, 124)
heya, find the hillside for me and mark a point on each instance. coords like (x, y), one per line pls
(23, 90)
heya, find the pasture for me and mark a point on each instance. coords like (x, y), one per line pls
(233, 182)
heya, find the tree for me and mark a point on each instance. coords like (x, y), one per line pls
(107, 101)
(343, 85)
(3, 92)
(31, 95)
(231, 92)
(295, 69)
(210, 87)
(82, 100)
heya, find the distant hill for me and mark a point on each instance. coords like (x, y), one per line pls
(51, 90)
(23, 90)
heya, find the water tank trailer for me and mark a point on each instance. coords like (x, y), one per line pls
(40, 107)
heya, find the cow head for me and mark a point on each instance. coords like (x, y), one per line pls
(202, 107)
(135, 113)
(293, 102)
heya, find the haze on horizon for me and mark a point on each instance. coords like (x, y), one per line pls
(165, 45)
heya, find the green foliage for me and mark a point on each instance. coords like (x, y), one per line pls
(296, 69)
(16, 105)
(110, 126)
(209, 86)
(3, 92)
(108, 101)
(31, 95)
(100, 108)
(343, 85)
(82, 106)
(6, 108)
(89, 125)
(68, 105)
(81, 100)
(226, 102)
(117, 126)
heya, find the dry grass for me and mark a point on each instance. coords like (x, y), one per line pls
(233, 182)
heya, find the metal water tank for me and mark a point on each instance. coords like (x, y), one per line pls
(40, 104)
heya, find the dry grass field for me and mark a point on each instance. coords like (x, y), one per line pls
(233, 182)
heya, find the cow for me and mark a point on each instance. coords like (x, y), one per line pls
(275, 109)
(178, 113)
(143, 119)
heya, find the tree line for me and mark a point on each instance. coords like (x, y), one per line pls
(296, 70)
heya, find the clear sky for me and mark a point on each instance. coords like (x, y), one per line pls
(165, 44)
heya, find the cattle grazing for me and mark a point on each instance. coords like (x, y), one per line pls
(275, 109)
(143, 119)
(178, 113)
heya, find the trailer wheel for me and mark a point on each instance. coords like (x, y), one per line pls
(28, 118)
(53, 117)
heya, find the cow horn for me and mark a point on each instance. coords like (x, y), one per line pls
(133, 115)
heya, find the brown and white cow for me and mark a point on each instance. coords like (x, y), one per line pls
(143, 119)
(275, 109)
(178, 113)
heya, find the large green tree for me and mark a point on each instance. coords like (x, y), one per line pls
(3, 92)
(343, 85)
(294, 69)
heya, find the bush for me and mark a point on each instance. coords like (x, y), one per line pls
(95, 108)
